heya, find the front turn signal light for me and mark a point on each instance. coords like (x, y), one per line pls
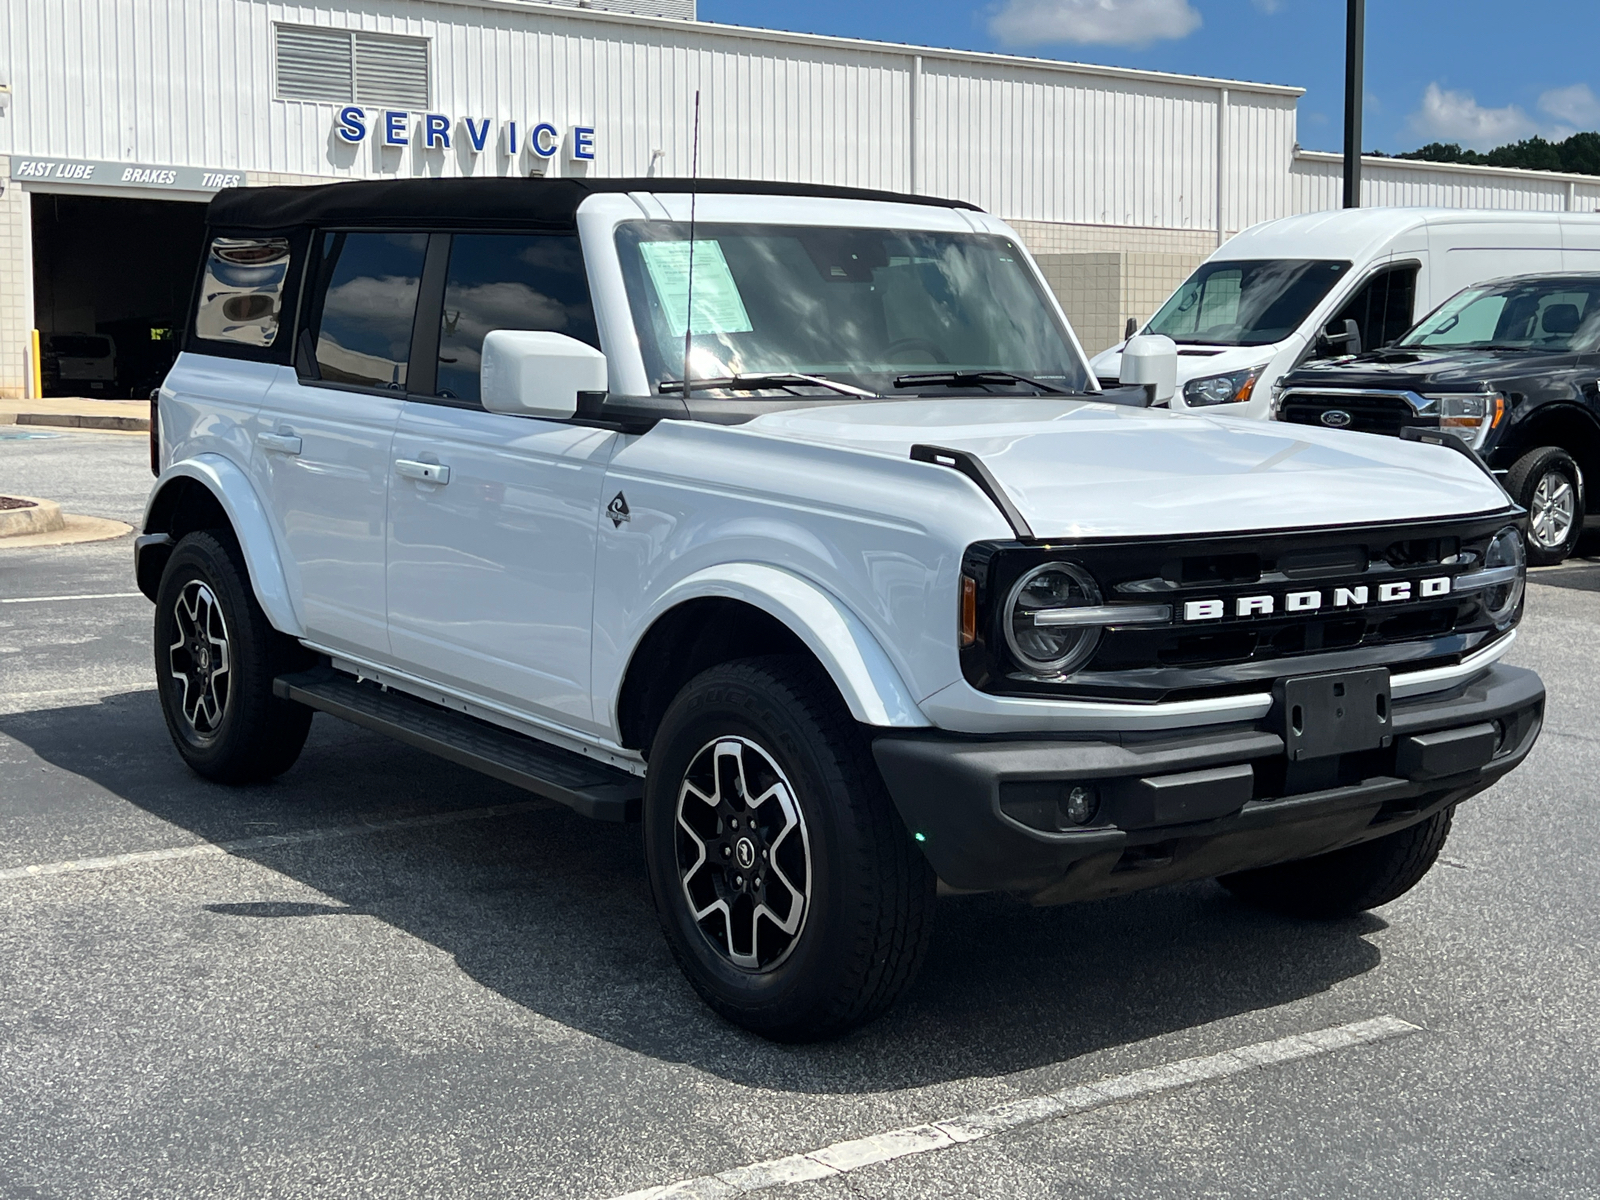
(969, 611)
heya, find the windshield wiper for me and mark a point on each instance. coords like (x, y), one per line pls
(969, 378)
(757, 381)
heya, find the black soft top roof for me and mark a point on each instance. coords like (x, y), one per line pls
(522, 202)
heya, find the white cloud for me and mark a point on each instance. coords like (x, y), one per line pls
(1450, 116)
(1576, 106)
(1093, 22)
(1270, 6)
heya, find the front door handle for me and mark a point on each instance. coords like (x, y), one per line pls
(422, 472)
(283, 443)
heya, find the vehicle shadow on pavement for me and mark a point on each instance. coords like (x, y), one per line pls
(553, 912)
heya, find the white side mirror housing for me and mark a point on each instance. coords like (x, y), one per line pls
(532, 374)
(1151, 361)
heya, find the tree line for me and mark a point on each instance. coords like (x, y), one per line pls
(1578, 154)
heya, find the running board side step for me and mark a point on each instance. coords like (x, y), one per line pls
(589, 788)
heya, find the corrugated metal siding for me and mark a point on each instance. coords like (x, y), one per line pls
(191, 82)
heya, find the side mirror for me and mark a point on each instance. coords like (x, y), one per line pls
(529, 374)
(1151, 362)
(1348, 341)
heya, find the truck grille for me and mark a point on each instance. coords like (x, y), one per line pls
(1190, 658)
(1368, 413)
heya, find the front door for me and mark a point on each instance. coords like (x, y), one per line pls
(322, 434)
(494, 519)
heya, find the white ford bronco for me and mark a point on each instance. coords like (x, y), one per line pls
(791, 522)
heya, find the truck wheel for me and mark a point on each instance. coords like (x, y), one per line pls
(1347, 881)
(788, 888)
(216, 657)
(1546, 482)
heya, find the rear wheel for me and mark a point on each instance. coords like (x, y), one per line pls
(216, 658)
(1347, 881)
(787, 886)
(1546, 482)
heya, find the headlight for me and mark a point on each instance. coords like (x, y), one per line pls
(1233, 388)
(1051, 649)
(1505, 551)
(1470, 416)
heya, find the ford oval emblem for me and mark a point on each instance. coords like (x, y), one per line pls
(1336, 418)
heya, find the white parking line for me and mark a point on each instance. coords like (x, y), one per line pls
(73, 866)
(56, 599)
(844, 1157)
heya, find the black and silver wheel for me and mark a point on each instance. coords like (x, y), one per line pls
(1349, 881)
(744, 853)
(1548, 484)
(216, 657)
(787, 886)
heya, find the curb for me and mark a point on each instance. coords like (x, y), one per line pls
(78, 421)
(30, 518)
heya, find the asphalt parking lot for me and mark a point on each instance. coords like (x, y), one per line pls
(384, 976)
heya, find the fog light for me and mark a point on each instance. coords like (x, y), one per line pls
(1081, 805)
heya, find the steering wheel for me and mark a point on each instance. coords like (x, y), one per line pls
(911, 343)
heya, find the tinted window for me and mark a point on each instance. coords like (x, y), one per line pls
(1381, 309)
(241, 295)
(366, 301)
(1251, 303)
(508, 281)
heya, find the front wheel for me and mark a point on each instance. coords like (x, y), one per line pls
(789, 890)
(1546, 482)
(1347, 881)
(216, 658)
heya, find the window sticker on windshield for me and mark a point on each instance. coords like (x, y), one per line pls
(718, 307)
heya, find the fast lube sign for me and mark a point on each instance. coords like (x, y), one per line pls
(396, 129)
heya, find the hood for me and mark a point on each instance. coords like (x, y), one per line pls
(1420, 370)
(1194, 362)
(1079, 469)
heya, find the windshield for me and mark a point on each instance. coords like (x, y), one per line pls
(1253, 303)
(863, 308)
(1555, 315)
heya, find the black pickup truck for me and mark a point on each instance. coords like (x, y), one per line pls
(1511, 367)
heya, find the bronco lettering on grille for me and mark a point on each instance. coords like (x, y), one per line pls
(1396, 592)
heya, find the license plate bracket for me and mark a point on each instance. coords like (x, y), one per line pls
(1339, 712)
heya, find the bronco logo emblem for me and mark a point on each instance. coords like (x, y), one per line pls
(1336, 418)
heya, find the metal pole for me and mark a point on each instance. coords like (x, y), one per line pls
(915, 131)
(1222, 165)
(1355, 49)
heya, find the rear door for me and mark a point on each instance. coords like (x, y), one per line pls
(322, 434)
(494, 519)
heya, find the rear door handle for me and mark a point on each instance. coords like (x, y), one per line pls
(422, 472)
(283, 443)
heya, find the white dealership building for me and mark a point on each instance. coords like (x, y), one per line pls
(118, 120)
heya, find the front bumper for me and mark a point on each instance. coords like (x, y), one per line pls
(1182, 805)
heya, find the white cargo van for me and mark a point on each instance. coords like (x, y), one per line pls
(1333, 283)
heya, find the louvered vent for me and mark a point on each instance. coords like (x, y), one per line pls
(314, 64)
(391, 70)
(336, 66)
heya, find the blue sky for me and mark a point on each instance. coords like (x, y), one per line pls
(1467, 71)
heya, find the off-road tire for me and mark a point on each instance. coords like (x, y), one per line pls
(870, 911)
(258, 736)
(1347, 881)
(1523, 480)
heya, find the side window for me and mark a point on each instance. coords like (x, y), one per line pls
(508, 281)
(363, 306)
(241, 294)
(1382, 309)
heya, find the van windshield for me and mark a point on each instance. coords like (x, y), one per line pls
(1250, 303)
(866, 309)
(1556, 315)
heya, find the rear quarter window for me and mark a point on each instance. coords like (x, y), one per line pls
(244, 286)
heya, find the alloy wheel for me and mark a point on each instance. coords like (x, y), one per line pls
(199, 658)
(744, 853)
(1554, 509)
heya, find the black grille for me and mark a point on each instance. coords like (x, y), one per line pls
(1191, 658)
(1368, 414)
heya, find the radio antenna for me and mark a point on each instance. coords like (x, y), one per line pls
(688, 295)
